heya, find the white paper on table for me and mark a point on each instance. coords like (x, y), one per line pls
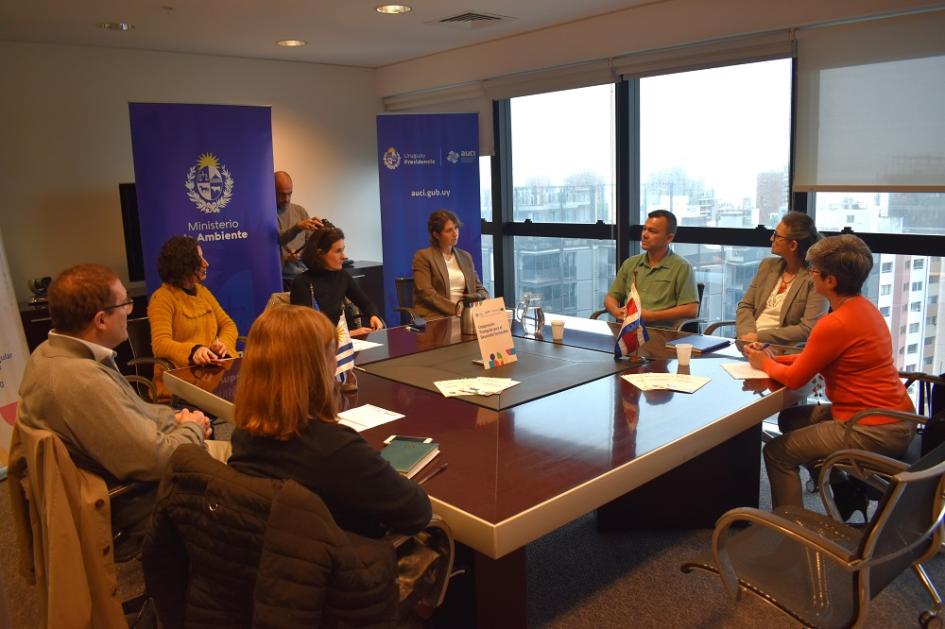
(474, 386)
(684, 383)
(360, 345)
(367, 416)
(743, 371)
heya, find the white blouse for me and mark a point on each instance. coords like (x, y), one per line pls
(770, 317)
(457, 279)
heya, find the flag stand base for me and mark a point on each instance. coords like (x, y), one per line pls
(633, 360)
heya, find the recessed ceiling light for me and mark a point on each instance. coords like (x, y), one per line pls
(393, 9)
(292, 43)
(116, 26)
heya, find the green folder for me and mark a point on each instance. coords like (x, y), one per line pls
(409, 457)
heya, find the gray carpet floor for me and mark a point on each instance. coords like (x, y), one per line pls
(580, 578)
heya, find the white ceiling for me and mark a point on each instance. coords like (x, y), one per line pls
(346, 32)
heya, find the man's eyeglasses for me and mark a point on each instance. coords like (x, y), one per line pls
(123, 304)
(776, 235)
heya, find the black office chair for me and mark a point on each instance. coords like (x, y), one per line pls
(143, 361)
(823, 572)
(404, 287)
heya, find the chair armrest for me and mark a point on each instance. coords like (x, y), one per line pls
(874, 470)
(919, 420)
(715, 325)
(140, 381)
(679, 324)
(151, 360)
(775, 522)
(597, 313)
(411, 315)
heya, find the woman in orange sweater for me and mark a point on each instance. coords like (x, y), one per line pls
(188, 326)
(852, 349)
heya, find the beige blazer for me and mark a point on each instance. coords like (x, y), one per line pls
(431, 282)
(63, 525)
(803, 306)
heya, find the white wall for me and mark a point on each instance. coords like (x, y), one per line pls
(65, 143)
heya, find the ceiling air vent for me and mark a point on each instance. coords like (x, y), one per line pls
(473, 19)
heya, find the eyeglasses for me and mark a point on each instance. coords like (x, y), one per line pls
(776, 235)
(123, 304)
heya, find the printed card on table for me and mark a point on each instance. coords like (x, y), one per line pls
(494, 334)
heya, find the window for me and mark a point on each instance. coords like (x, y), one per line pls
(916, 285)
(885, 289)
(485, 187)
(933, 279)
(884, 311)
(913, 327)
(902, 330)
(887, 266)
(918, 263)
(910, 367)
(915, 306)
(928, 361)
(711, 157)
(726, 271)
(882, 212)
(569, 275)
(931, 320)
(929, 340)
(563, 156)
(912, 348)
(488, 272)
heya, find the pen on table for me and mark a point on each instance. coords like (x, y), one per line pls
(432, 474)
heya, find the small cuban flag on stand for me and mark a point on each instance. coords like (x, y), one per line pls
(633, 332)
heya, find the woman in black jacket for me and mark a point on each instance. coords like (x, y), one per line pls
(287, 428)
(326, 284)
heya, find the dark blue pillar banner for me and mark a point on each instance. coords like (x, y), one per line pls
(426, 162)
(205, 171)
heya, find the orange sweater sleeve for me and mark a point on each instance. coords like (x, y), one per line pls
(823, 347)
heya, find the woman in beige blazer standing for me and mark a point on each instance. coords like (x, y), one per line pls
(443, 273)
(781, 305)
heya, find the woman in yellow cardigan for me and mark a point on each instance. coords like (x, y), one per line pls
(188, 326)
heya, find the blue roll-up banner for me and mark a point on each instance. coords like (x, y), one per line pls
(426, 162)
(205, 171)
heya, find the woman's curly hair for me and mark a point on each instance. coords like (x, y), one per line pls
(178, 261)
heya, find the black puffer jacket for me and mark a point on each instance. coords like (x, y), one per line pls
(230, 550)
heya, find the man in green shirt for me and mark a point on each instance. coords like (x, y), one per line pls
(664, 280)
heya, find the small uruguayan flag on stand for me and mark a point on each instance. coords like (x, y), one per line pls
(345, 355)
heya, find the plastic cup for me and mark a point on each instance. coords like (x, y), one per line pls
(683, 353)
(557, 330)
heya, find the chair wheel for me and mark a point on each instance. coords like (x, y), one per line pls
(930, 620)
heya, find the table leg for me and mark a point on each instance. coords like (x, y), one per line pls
(694, 494)
(493, 593)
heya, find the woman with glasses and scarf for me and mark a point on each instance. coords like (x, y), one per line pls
(781, 305)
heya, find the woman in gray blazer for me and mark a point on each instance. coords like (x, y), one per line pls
(442, 272)
(781, 305)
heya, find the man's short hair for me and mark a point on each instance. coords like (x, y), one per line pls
(77, 294)
(669, 216)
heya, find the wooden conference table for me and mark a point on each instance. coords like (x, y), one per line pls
(522, 468)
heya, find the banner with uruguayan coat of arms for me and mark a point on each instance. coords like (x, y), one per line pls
(205, 171)
(13, 356)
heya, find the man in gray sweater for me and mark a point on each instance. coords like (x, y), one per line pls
(72, 387)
